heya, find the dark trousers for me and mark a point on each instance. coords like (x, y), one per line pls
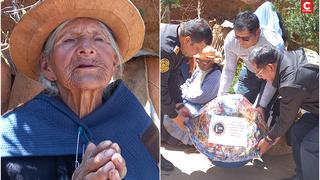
(175, 81)
(305, 146)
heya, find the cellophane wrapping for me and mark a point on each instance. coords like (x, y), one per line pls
(232, 106)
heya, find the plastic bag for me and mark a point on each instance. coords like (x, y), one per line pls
(235, 124)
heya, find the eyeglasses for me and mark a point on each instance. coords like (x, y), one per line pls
(260, 72)
(203, 61)
(245, 38)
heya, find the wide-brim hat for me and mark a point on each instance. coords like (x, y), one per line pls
(30, 34)
(209, 53)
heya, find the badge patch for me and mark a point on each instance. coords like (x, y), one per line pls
(164, 65)
(176, 50)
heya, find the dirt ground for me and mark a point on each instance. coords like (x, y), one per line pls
(195, 166)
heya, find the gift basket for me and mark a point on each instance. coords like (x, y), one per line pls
(227, 130)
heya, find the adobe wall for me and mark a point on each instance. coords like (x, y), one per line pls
(210, 9)
(148, 9)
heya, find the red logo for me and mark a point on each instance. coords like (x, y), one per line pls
(306, 6)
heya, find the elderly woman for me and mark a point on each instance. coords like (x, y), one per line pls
(77, 126)
(198, 90)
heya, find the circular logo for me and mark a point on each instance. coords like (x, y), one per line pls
(218, 128)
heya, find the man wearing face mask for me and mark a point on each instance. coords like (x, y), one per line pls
(178, 42)
(246, 36)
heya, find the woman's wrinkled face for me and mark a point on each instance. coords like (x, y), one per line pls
(82, 56)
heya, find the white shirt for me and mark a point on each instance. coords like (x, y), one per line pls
(233, 51)
(268, 18)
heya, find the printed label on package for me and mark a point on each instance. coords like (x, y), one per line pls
(227, 130)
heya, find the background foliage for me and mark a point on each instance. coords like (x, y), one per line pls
(302, 29)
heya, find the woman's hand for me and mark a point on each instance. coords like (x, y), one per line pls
(179, 120)
(101, 162)
(183, 114)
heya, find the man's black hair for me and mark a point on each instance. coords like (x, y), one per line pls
(262, 56)
(198, 29)
(246, 21)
